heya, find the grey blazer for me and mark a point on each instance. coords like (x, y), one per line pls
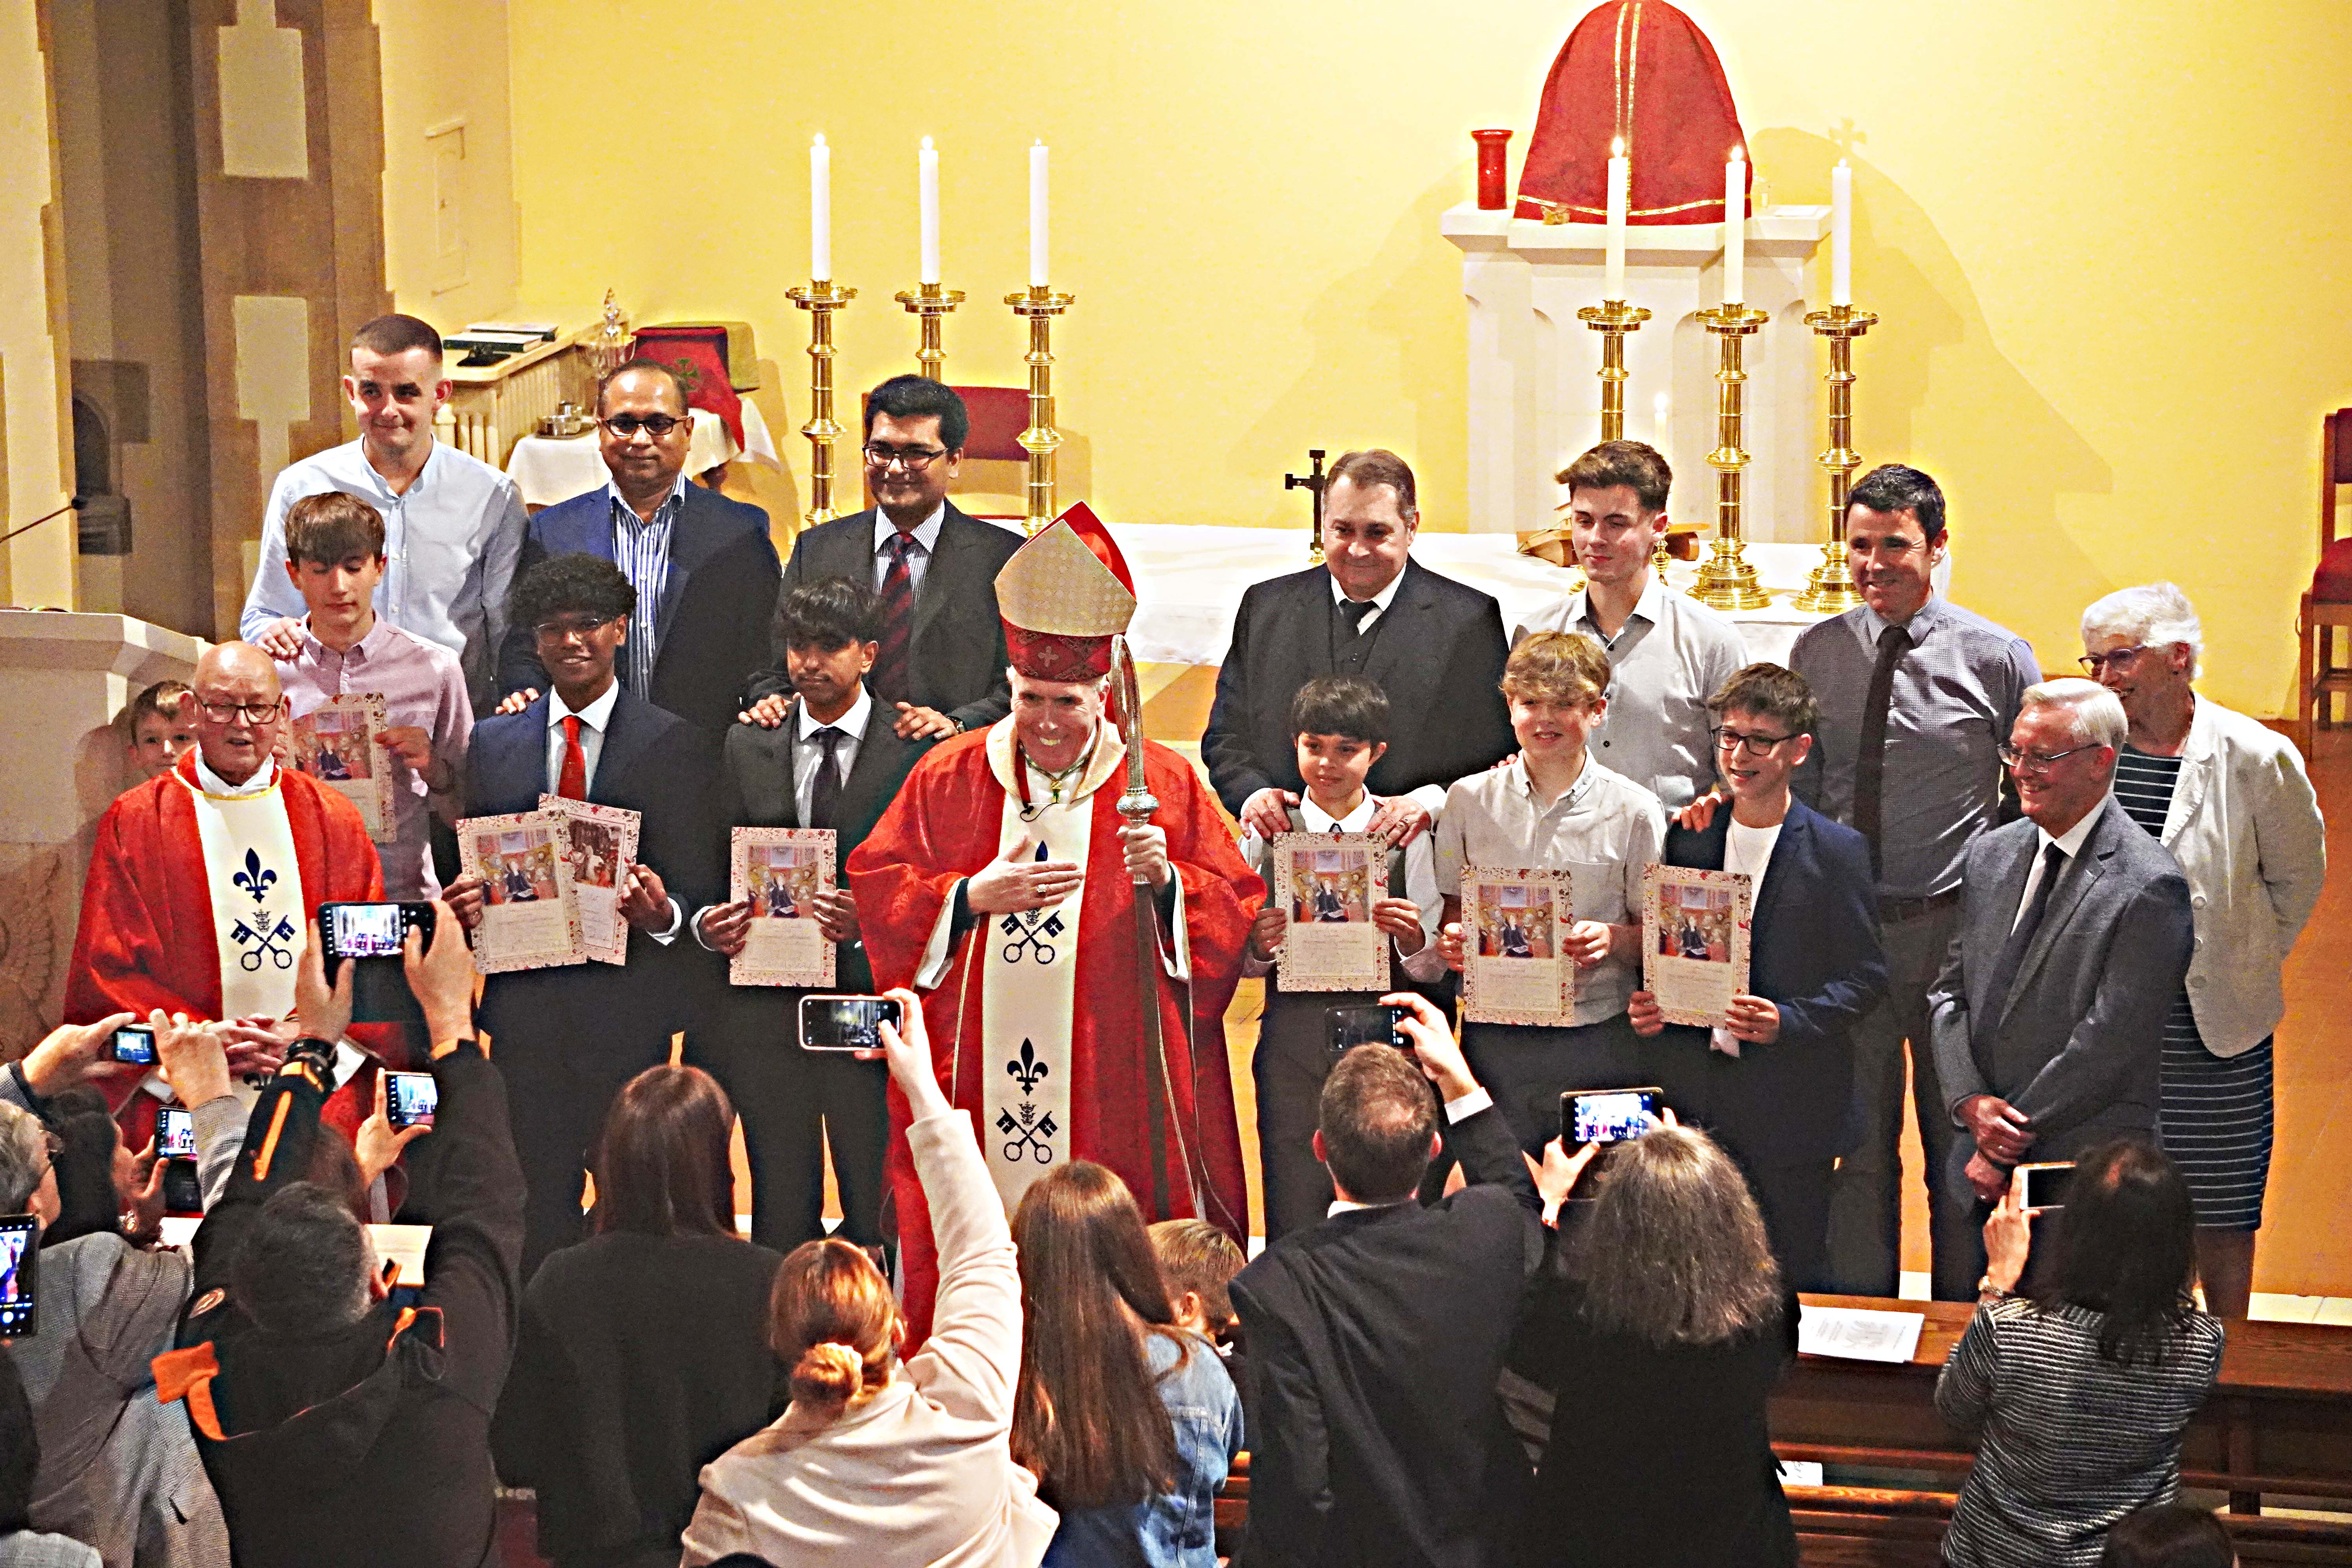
(2078, 1046)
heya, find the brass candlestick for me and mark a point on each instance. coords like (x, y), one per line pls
(1830, 588)
(1726, 581)
(1040, 440)
(930, 302)
(1612, 318)
(821, 299)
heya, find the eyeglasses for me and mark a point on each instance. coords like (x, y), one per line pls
(2093, 663)
(1754, 745)
(571, 626)
(2036, 761)
(251, 712)
(626, 425)
(914, 459)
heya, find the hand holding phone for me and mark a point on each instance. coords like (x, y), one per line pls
(1345, 1028)
(847, 1023)
(2043, 1186)
(1608, 1115)
(133, 1043)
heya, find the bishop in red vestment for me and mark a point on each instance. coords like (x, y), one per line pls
(1001, 883)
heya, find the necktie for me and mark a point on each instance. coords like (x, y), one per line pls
(897, 597)
(1356, 610)
(824, 796)
(571, 783)
(2021, 938)
(1870, 760)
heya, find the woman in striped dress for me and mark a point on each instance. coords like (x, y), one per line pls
(2079, 1394)
(2229, 797)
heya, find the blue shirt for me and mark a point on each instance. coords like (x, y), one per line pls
(640, 550)
(1178, 1528)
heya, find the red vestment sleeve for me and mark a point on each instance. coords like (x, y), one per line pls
(906, 868)
(125, 957)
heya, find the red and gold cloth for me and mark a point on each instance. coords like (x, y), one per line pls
(1641, 72)
(699, 357)
(1062, 596)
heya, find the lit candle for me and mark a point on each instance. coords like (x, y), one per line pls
(820, 210)
(1735, 228)
(1037, 269)
(1621, 181)
(927, 178)
(1841, 234)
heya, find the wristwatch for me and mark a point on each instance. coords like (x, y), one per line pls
(1987, 1293)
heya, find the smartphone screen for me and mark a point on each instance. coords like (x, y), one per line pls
(1345, 1028)
(845, 1023)
(2045, 1185)
(1607, 1116)
(18, 1260)
(133, 1043)
(410, 1098)
(360, 930)
(175, 1132)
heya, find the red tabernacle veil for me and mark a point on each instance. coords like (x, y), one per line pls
(1639, 71)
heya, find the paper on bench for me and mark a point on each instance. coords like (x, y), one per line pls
(400, 1244)
(1858, 1334)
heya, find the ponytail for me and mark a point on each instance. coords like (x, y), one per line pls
(828, 1376)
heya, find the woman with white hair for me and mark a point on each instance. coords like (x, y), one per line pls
(2229, 798)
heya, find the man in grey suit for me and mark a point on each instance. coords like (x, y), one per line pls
(2048, 1019)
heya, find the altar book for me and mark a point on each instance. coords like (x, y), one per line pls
(1695, 931)
(1513, 969)
(531, 919)
(1327, 882)
(335, 743)
(600, 841)
(779, 870)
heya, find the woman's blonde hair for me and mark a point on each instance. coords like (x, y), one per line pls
(1566, 668)
(1674, 1250)
(831, 1319)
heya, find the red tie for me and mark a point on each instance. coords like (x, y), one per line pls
(571, 783)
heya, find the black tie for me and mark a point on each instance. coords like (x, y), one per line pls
(1356, 610)
(825, 797)
(1870, 759)
(2021, 938)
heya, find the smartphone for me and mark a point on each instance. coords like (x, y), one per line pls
(370, 931)
(2045, 1184)
(410, 1098)
(19, 1262)
(175, 1132)
(1608, 1115)
(845, 1023)
(133, 1043)
(1345, 1028)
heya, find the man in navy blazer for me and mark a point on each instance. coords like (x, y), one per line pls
(1435, 647)
(1775, 1086)
(568, 1038)
(703, 567)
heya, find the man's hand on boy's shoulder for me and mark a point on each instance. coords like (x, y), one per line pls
(767, 712)
(1267, 813)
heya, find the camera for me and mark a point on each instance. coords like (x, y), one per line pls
(845, 1023)
(19, 1271)
(1345, 1028)
(1608, 1115)
(176, 1145)
(371, 935)
(133, 1043)
(2045, 1186)
(410, 1099)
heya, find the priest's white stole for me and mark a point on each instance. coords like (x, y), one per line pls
(256, 898)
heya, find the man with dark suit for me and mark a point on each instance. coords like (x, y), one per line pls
(941, 671)
(834, 763)
(567, 1038)
(703, 567)
(1435, 646)
(1375, 1338)
(2075, 933)
(1774, 1084)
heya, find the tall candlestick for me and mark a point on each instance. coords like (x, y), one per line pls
(1037, 247)
(927, 182)
(820, 210)
(1841, 234)
(1620, 183)
(1735, 228)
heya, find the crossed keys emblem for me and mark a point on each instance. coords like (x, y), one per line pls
(264, 935)
(1027, 1133)
(1030, 932)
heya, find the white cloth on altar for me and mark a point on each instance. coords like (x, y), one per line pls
(547, 470)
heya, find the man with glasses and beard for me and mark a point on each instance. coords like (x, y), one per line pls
(939, 668)
(703, 567)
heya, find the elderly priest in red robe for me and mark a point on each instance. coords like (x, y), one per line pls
(1002, 884)
(204, 881)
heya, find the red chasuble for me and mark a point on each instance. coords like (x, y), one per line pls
(148, 936)
(950, 820)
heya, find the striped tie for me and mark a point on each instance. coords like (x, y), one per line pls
(898, 596)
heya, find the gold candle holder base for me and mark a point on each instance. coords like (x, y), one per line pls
(929, 302)
(1725, 580)
(1040, 304)
(1612, 318)
(821, 299)
(1830, 590)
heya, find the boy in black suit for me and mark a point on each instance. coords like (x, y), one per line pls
(836, 762)
(1773, 1087)
(567, 1038)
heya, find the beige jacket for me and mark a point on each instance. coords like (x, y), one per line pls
(920, 1474)
(2246, 829)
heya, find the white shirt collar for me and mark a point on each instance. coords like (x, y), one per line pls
(596, 715)
(1342, 1206)
(2071, 841)
(212, 782)
(852, 723)
(1649, 608)
(1382, 599)
(927, 532)
(1318, 820)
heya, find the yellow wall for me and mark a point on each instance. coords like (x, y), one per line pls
(445, 61)
(35, 474)
(2106, 240)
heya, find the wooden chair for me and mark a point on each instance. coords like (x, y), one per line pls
(999, 415)
(2320, 679)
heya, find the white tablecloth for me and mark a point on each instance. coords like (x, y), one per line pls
(548, 470)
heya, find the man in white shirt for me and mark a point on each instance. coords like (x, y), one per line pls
(453, 524)
(1667, 652)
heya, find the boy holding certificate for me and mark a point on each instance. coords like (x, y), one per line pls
(1551, 808)
(1771, 1082)
(1340, 725)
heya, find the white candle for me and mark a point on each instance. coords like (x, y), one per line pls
(820, 211)
(1841, 234)
(1037, 256)
(1620, 183)
(927, 178)
(1735, 228)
